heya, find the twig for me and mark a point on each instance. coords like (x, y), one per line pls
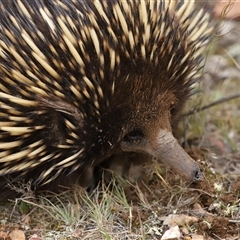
(222, 100)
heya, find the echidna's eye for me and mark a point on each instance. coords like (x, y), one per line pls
(134, 135)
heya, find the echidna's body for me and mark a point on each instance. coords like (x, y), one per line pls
(82, 80)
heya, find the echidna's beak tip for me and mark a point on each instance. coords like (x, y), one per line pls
(198, 175)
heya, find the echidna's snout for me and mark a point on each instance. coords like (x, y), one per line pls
(165, 148)
(170, 152)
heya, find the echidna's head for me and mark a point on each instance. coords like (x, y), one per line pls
(140, 114)
(82, 80)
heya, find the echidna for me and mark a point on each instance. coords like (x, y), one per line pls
(81, 81)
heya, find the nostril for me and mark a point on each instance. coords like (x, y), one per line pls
(198, 175)
(134, 135)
